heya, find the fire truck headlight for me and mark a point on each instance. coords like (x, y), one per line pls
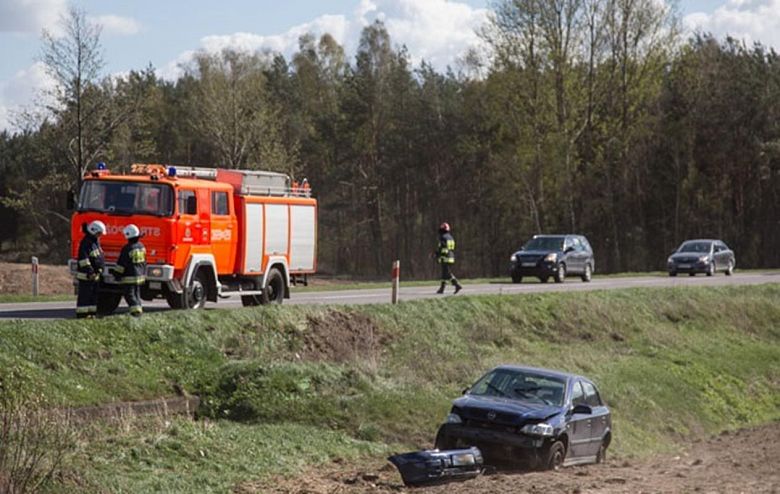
(155, 272)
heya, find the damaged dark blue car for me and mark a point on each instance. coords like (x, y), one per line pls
(524, 417)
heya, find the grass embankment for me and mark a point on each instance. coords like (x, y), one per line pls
(288, 386)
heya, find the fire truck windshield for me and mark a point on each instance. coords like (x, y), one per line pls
(126, 198)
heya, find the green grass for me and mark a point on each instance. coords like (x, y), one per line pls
(671, 363)
(17, 298)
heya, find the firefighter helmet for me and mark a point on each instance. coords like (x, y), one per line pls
(131, 231)
(97, 227)
(445, 227)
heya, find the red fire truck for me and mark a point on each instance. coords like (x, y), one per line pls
(209, 233)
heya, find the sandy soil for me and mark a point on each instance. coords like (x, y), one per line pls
(739, 462)
(16, 279)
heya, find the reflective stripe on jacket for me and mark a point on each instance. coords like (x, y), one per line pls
(90, 259)
(131, 266)
(446, 252)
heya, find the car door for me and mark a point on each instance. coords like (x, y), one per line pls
(579, 426)
(223, 226)
(570, 255)
(599, 417)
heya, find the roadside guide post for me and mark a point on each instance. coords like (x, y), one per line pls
(396, 280)
(35, 276)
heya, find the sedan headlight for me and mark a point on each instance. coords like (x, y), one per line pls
(542, 429)
(670, 261)
(550, 257)
(513, 258)
(703, 258)
(453, 418)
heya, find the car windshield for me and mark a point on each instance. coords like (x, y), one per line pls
(701, 247)
(126, 198)
(544, 243)
(521, 385)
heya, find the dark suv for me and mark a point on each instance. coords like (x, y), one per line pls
(523, 416)
(555, 256)
(701, 256)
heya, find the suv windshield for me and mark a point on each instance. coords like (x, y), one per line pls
(544, 243)
(521, 385)
(126, 198)
(702, 247)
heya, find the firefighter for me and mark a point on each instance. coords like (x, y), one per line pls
(445, 255)
(90, 267)
(130, 269)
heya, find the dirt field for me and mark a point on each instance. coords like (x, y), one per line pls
(16, 279)
(742, 462)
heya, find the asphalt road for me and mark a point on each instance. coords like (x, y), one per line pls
(65, 310)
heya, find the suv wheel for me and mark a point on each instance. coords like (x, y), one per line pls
(516, 278)
(588, 274)
(672, 273)
(711, 269)
(560, 273)
(730, 269)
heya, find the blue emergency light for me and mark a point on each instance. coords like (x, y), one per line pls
(101, 166)
(171, 171)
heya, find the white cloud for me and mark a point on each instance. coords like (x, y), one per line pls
(30, 16)
(438, 31)
(24, 88)
(117, 25)
(750, 20)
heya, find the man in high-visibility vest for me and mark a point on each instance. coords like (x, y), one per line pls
(89, 269)
(445, 255)
(130, 269)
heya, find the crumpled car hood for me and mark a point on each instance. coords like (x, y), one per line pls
(506, 410)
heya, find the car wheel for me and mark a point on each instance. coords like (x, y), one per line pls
(560, 273)
(588, 274)
(691, 274)
(730, 269)
(544, 279)
(555, 456)
(516, 278)
(672, 273)
(601, 456)
(711, 269)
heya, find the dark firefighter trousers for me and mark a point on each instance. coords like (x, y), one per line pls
(132, 295)
(446, 274)
(86, 300)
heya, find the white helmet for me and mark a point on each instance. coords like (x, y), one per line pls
(131, 231)
(97, 227)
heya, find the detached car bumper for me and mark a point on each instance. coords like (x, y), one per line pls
(432, 467)
(497, 447)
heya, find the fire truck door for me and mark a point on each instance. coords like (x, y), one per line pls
(203, 225)
(223, 231)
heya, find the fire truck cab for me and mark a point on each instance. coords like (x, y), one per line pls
(209, 233)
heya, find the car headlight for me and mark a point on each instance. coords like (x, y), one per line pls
(513, 258)
(670, 260)
(542, 429)
(703, 258)
(154, 272)
(453, 418)
(550, 257)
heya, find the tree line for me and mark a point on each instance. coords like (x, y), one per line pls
(582, 116)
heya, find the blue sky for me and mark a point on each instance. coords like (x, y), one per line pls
(164, 32)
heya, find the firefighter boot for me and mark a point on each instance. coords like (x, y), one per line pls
(441, 288)
(458, 286)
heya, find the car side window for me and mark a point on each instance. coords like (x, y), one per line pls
(591, 395)
(577, 395)
(576, 244)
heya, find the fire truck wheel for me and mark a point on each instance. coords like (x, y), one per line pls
(107, 303)
(274, 288)
(196, 293)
